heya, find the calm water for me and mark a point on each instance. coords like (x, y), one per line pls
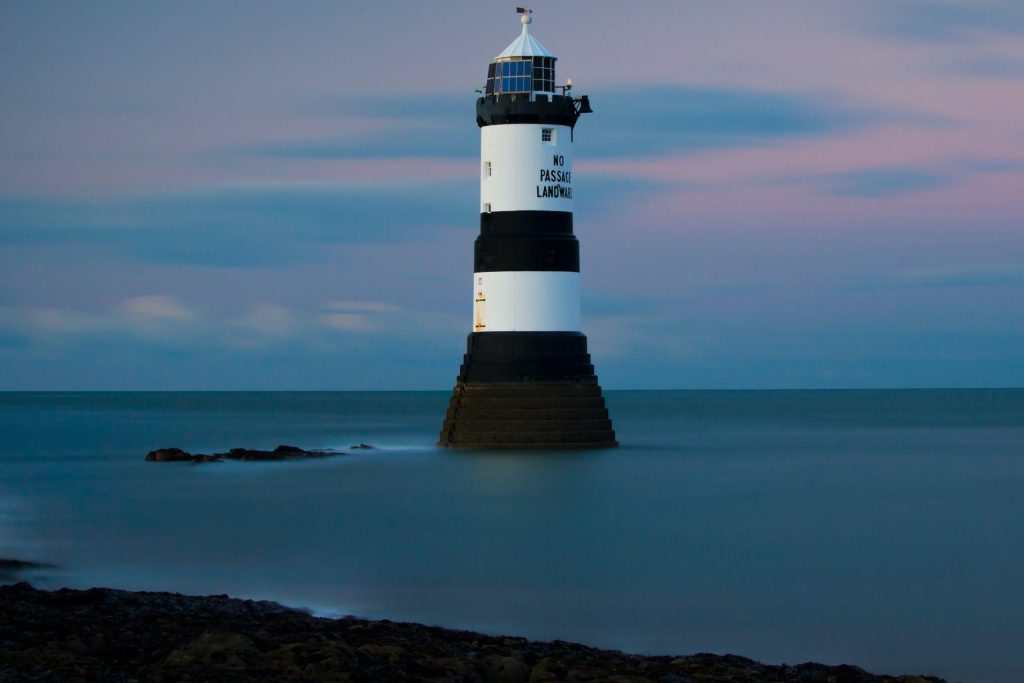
(884, 528)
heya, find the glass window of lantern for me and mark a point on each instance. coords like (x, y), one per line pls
(520, 76)
(543, 73)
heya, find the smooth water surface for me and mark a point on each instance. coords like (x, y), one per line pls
(883, 528)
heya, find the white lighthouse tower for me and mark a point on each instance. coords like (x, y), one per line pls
(526, 380)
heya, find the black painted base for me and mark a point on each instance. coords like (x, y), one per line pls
(527, 390)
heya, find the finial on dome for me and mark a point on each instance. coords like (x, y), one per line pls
(526, 18)
(525, 45)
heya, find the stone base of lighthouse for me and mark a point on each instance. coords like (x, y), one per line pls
(524, 390)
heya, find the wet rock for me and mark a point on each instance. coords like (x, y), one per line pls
(168, 455)
(74, 644)
(282, 452)
(392, 653)
(279, 453)
(251, 455)
(548, 669)
(329, 661)
(506, 670)
(230, 651)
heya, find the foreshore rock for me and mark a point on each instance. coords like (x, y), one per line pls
(282, 452)
(112, 635)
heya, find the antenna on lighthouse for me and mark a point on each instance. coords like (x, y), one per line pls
(526, 18)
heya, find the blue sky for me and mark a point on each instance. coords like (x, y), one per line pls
(267, 196)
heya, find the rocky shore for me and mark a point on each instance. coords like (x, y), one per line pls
(113, 635)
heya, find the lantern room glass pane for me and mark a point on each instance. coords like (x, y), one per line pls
(531, 74)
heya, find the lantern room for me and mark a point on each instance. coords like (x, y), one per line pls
(524, 67)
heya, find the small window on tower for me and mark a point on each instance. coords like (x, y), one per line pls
(547, 134)
(487, 207)
(487, 169)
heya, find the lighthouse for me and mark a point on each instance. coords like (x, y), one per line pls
(526, 380)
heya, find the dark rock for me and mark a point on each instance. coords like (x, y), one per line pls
(318, 660)
(74, 644)
(282, 452)
(216, 651)
(168, 455)
(250, 455)
(363, 447)
(506, 670)
(548, 669)
(279, 453)
(113, 635)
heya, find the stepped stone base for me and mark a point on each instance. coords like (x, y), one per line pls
(527, 390)
(527, 415)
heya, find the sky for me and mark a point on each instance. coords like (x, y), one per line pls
(271, 195)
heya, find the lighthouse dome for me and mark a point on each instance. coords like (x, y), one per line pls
(525, 45)
(525, 66)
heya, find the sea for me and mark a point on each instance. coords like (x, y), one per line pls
(879, 528)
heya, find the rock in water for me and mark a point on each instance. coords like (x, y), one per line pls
(282, 452)
(168, 455)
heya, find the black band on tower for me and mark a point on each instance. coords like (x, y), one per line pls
(526, 223)
(527, 356)
(558, 110)
(543, 252)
